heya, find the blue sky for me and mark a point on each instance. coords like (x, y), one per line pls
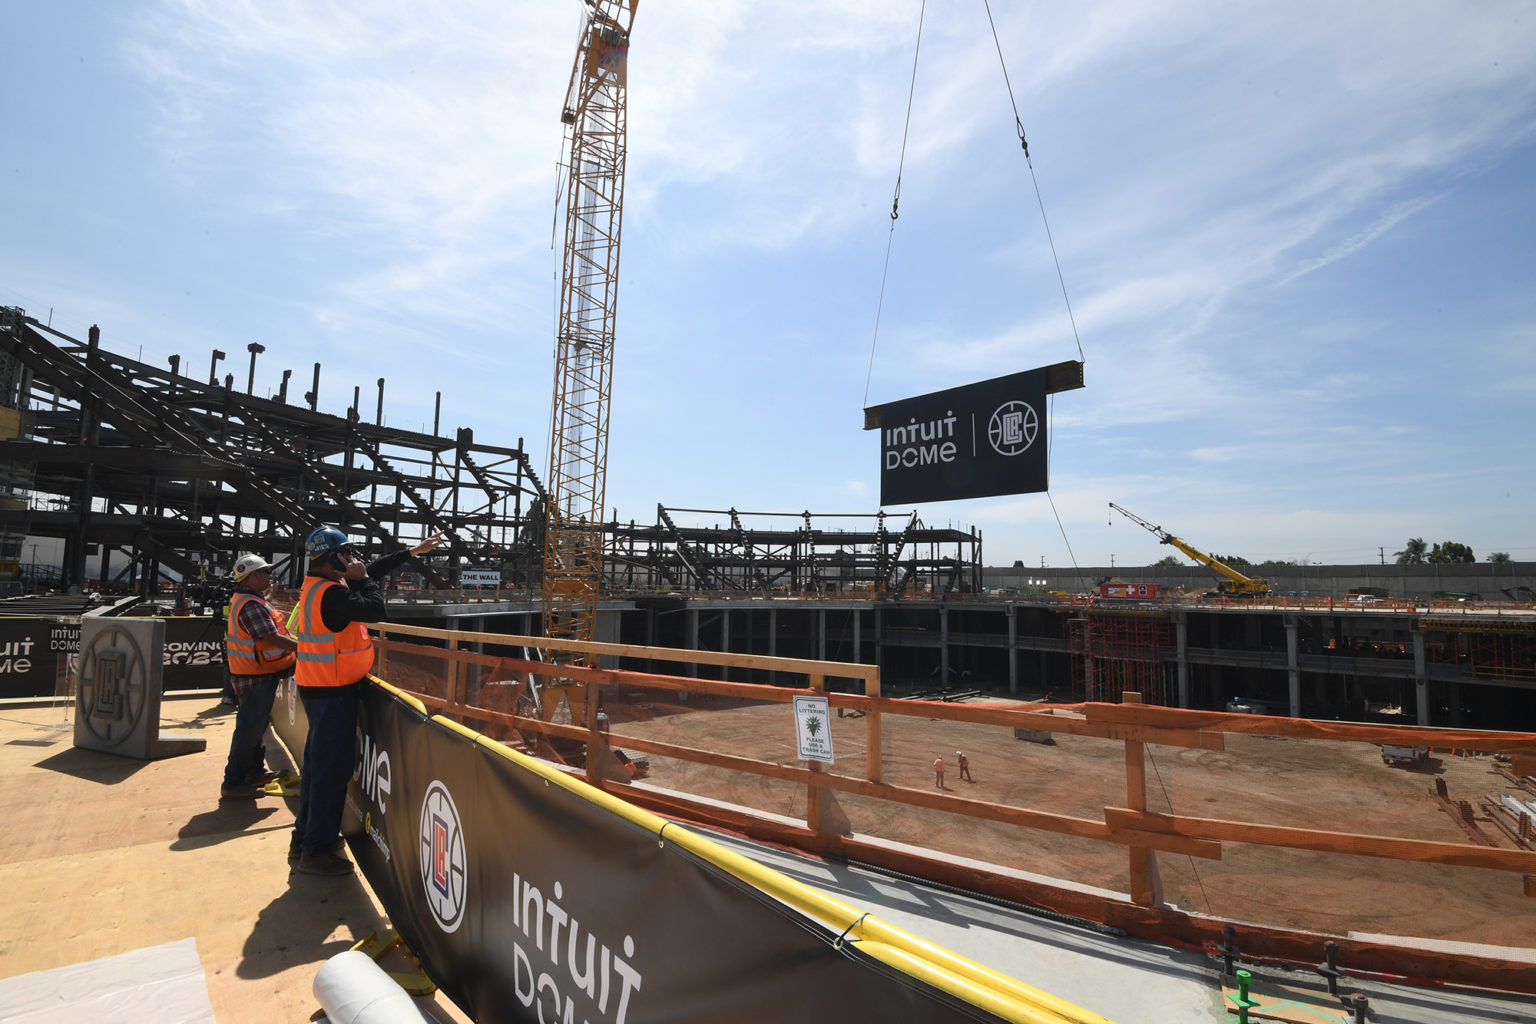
(1299, 240)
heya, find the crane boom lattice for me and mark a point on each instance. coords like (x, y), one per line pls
(596, 111)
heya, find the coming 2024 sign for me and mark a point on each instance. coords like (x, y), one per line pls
(973, 441)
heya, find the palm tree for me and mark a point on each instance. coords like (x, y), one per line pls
(1413, 552)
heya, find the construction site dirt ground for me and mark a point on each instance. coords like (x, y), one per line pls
(1316, 784)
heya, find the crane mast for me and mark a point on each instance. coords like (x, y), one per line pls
(595, 110)
(1235, 582)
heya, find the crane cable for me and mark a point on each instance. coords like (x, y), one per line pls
(1024, 145)
(895, 214)
(1018, 125)
(895, 200)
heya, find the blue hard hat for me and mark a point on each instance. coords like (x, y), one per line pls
(323, 540)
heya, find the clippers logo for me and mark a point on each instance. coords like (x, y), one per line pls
(112, 686)
(1013, 427)
(442, 857)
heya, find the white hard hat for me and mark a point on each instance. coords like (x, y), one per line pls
(249, 564)
(958, 754)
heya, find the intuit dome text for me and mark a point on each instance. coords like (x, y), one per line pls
(967, 442)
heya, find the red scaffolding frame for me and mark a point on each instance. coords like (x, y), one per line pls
(1114, 653)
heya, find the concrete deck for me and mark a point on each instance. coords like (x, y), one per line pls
(103, 856)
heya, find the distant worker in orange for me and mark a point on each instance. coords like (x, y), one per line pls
(938, 772)
(965, 766)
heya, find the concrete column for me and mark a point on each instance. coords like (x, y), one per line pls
(944, 646)
(1420, 679)
(773, 641)
(1013, 650)
(880, 642)
(693, 638)
(1292, 670)
(725, 640)
(1181, 659)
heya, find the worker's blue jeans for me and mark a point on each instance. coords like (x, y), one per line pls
(247, 752)
(329, 760)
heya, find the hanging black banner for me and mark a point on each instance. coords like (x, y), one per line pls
(526, 900)
(973, 441)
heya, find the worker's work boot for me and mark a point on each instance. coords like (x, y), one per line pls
(324, 864)
(243, 791)
(294, 852)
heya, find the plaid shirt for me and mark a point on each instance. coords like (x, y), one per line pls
(256, 619)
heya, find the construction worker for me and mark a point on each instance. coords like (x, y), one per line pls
(338, 596)
(938, 772)
(965, 766)
(258, 656)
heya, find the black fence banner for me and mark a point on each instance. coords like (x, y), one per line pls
(973, 441)
(38, 654)
(194, 652)
(529, 896)
(30, 656)
(289, 720)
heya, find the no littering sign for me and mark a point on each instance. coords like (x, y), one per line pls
(813, 729)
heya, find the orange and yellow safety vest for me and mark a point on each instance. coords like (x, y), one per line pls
(326, 658)
(240, 650)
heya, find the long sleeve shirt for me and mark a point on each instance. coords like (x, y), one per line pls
(360, 600)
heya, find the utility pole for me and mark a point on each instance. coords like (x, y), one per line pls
(1383, 553)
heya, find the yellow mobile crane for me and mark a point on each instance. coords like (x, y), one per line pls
(1235, 584)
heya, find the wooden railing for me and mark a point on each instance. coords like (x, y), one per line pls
(1131, 723)
(1140, 831)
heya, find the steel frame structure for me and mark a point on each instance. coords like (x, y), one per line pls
(168, 477)
(726, 555)
(174, 473)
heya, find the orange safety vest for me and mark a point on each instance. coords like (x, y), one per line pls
(240, 651)
(326, 658)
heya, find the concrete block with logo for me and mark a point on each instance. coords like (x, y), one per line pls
(117, 701)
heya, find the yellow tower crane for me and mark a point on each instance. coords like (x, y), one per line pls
(595, 110)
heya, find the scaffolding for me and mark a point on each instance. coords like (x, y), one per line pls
(1492, 649)
(1113, 653)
